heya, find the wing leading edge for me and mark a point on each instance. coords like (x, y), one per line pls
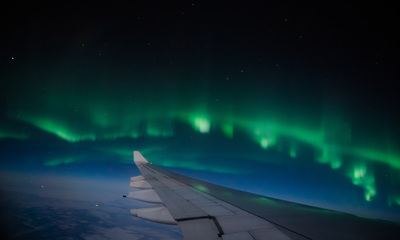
(218, 212)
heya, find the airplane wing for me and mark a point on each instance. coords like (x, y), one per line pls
(207, 211)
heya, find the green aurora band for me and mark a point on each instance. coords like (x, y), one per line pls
(110, 112)
(268, 134)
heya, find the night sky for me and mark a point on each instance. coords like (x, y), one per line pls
(294, 101)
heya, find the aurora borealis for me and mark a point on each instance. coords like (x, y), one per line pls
(295, 102)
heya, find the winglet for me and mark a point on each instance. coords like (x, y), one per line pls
(138, 158)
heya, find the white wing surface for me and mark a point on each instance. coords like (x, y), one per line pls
(199, 215)
(207, 211)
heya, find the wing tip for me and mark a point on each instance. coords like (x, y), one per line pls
(138, 158)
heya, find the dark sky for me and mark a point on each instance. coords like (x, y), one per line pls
(303, 51)
(306, 92)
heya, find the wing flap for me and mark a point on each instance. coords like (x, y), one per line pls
(142, 184)
(199, 229)
(147, 195)
(158, 214)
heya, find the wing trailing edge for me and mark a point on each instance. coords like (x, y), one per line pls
(158, 214)
(141, 184)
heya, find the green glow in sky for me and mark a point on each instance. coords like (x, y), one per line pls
(7, 134)
(198, 165)
(330, 156)
(267, 134)
(264, 138)
(58, 161)
(8, 131)
(292, 151)
(60, 129)
(201, 124)
(227, 129)
(152, 111)
(363, 177)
